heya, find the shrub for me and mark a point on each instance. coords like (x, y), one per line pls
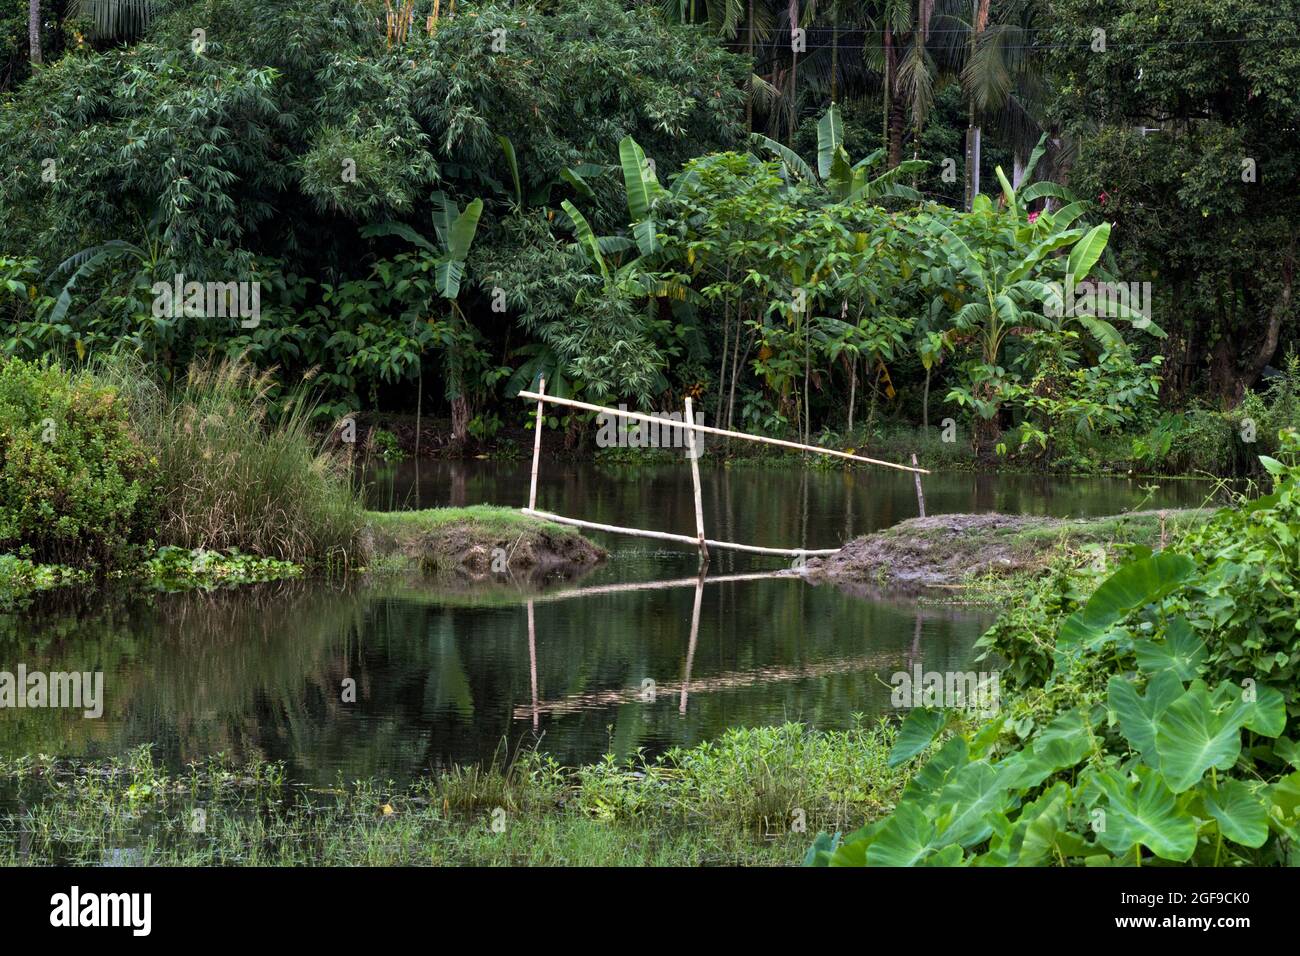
(75, 484)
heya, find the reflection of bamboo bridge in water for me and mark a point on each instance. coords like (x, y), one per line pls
(597, 700)
(723, 681)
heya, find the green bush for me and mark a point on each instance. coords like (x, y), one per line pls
(76, 487)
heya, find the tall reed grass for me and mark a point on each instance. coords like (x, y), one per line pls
(237, 470)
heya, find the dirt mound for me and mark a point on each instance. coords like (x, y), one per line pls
(943, 550)
(494, 543)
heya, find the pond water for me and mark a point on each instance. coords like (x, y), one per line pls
(446, 675)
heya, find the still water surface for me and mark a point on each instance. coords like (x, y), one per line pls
(446, 675)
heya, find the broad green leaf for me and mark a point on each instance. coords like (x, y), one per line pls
(965, 805)
(1038, 190)
(463, 230)
(830, 137)
(1192, 736)
(1238, 809)
(643, 189)
(508, 148)
(793, 162)
(1182, 651)
(586, 238)
(1137, 714)
(920, 727)
(1144, 812)
(1087, 251)
(1135, 585)
(906, 838)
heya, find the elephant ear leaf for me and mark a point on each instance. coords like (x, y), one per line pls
(1193, 735)
(1238, 810)
(1144, 813)
(1138, 713)
(1181, 652)
(1136, 584)
(920, 727)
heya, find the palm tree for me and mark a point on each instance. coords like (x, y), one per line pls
(113, 19)
(34, 29)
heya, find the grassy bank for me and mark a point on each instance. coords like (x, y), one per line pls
(752, 797)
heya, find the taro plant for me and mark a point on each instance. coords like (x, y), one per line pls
(1159, 725)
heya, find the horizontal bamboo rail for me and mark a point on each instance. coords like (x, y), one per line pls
(710, 430)
(682, 538)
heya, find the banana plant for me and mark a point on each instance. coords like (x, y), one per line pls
(1001, 273)
(455, 230)
(843, 180)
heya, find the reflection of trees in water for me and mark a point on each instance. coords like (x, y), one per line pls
(439, 679)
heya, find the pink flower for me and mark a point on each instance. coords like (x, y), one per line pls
(1033, 217)
(1103, 197)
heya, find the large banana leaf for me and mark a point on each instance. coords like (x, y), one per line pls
(830, 139)
(512, 163)
(643, 189)
(1087, 251)
(793, 162)
(463, 231)
(587, 240)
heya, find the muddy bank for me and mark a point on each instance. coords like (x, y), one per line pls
(479, 543)
(947, 550)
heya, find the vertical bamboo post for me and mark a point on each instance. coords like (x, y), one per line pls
(532, 661)
(920, 495)
(695, 479)
(537, 446)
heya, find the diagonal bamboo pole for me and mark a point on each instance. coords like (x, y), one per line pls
(683, 538)
(709, 430)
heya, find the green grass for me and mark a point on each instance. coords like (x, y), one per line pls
(492, 519)
(753, 797)
(241, 471)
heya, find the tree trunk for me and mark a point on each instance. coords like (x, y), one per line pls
(979, 20)
(794, 72)
(749, 51)
(34, 29)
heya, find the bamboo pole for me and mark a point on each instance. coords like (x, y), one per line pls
(683, 538)
(532, 661)
(695, 479)
(920, 495)
(695, 636)
(710, 430)
(537, 444)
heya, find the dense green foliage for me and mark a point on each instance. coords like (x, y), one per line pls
(1161, 720)
(76, 484)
